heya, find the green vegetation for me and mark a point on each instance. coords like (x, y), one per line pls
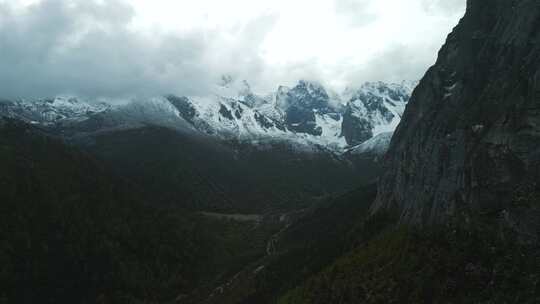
(307, 246)
(336, 254)
(405, 266)
(71, 232)
(232, 177)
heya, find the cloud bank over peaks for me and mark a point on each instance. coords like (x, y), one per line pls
(123, 48)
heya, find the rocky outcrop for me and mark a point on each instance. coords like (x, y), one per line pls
(373, 109)
(356, 129)
(469, 141)
(184, 107)
(302, 102)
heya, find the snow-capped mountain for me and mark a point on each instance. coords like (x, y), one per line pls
(307, 114)
(374, 108)
(51, 111)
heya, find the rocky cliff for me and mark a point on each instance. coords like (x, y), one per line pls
(469, 141)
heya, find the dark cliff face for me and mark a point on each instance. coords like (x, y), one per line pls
(469, 141)
(355, 129)
(302, 102)
(186, 109)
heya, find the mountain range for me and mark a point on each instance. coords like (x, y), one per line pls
(301, 196)
(306, 115)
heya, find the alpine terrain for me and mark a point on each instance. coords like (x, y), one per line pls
(411, 192)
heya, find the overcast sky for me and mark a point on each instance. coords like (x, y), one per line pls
(139, 47)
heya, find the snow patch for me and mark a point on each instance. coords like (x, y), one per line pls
(378, 145)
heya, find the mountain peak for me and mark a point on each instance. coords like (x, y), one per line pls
(308, 112)
(312, 87)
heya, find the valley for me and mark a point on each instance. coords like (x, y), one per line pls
(412, 192)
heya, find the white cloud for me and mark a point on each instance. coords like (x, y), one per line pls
(118, 47)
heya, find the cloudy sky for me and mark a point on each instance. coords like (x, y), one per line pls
(140, 47)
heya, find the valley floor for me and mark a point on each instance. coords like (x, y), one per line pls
(236, 217)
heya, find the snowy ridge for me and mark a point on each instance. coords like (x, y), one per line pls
(155, 111)
(378, 145)
(308, 116)
(51, 111)
(382, 104)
